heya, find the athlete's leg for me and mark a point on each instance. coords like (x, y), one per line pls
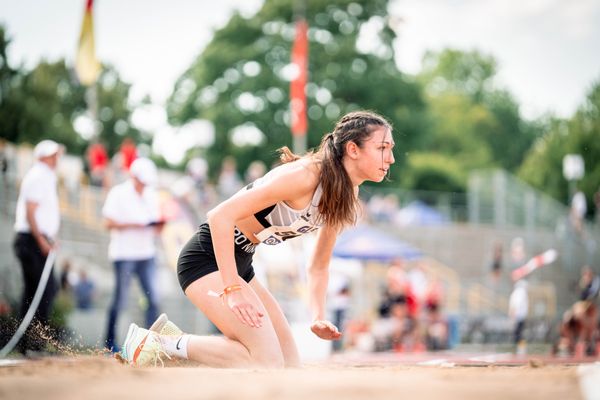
(280, 324)
(243, 345)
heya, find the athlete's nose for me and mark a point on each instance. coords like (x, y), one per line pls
(390, 158)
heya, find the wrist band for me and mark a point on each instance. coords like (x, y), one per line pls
(225, 292)
(230, 289)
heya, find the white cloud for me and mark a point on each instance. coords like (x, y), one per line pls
(546, 49)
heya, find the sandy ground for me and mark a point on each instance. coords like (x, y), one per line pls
(102, 378)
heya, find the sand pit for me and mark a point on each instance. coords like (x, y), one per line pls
(102, 378)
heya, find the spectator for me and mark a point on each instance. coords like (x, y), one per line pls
(84, 291)
(98, 160)
(436, 328)
(128, 153)
(497, 261)
(4, 156)
(398, 284)
(588, 298)
(37, 223)
(3, 160)
(340, 303)
(131, 213)
(589, 284)
(574, 333)
(197, 169)
(396, 329)
(255, 170)
(578, 211)
(66, 277)
(418, 282)
(229, 181)
(518, 308)
(579, 331)
(517, 253)
(597, 206)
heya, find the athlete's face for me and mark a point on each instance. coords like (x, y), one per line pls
(376, 155)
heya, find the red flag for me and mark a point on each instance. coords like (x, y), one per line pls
(297, 95)
(86, 64)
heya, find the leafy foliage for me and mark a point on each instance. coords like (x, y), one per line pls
(578, 135)
(44, 103)
(241, 78)
(470, 120)
(435, 172)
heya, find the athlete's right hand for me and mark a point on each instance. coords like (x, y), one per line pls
(243, 309)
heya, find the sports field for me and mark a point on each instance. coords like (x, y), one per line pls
(101, 377)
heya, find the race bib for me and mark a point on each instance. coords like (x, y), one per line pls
(276, 234)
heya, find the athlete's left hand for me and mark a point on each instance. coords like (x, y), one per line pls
(325, 330)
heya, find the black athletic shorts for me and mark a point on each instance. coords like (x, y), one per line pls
(197, 258)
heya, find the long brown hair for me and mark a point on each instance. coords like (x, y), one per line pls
(339, 205)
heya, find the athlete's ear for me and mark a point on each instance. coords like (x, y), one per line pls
(352, 150)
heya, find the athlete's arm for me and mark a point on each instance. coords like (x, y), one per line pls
(318, 279)
(223, 218)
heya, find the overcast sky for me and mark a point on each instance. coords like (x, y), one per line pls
(548, 51)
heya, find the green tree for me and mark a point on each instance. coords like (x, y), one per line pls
(240, 79)
(45, 102)
(10, 98)
(114, 111)
(471, 118)
(455, 71)
(577, 135)
(50, 97)
(435, 172)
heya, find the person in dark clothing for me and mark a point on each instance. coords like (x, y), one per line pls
(37, 220)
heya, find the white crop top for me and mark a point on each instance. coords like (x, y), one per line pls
(282, 222)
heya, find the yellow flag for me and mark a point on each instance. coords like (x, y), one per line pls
(86, 64)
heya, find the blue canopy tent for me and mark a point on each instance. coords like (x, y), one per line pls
(419, 213)
(367, 243)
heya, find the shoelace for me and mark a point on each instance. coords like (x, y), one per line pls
(158, 350)
(157, 353)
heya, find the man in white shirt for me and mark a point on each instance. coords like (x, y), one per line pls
(131, 213)
(37, 221)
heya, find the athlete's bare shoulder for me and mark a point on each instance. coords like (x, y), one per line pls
(303, 173)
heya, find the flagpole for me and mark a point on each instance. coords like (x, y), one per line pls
(87, 66)
(91, 98)
(298, 101)
(299, 144)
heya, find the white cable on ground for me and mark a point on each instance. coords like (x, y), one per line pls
(32, 308)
